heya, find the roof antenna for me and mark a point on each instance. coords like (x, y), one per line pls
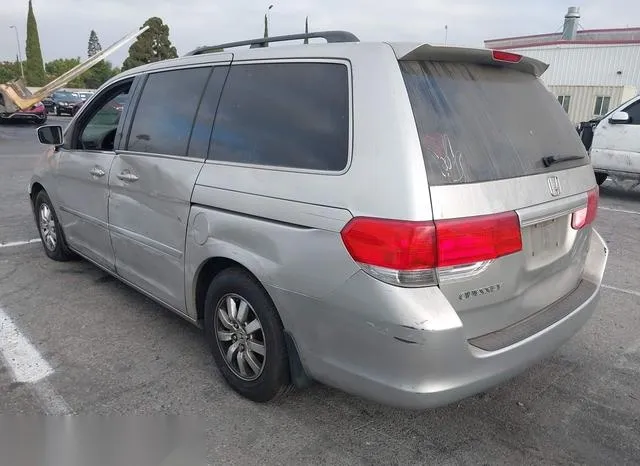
(446, 33)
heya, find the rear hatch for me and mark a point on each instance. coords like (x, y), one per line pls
(508, 175)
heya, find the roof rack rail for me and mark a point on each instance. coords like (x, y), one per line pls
(329, 36)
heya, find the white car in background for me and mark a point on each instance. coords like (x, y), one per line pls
(615, 149)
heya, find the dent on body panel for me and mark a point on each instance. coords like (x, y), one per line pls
(307, 261)
(163, 190)
(365, 310)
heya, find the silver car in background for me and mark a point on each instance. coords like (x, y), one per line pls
(408, 223)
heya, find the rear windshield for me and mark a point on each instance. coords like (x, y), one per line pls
(481, 123)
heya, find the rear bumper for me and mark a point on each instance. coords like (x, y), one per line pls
(385, 344)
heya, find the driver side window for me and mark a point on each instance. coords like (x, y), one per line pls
(100, 124)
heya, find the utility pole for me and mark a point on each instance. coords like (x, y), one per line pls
(19, 53)
(267, 18)
(446, 33)
(306, 29)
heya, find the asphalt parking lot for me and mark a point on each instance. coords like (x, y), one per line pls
(103, 348)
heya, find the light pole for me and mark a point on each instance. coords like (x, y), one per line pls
(19, 53)
(269, 15)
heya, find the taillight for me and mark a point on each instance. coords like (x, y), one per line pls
(409, 253)
(586, 215)
(476, 239)
(392, 244)
(499, 55)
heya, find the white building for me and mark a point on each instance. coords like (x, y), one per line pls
(590, 71)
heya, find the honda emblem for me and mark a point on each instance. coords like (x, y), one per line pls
(554, 186)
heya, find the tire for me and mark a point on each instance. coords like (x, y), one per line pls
(601, 178)
(57, 110)
(57, 249)
(272, 379)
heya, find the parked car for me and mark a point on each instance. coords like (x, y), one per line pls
(117, 104)
(76, 107)
(61, 102)
(615, 145)
(36, 114)
(85, 95)
(379, 217)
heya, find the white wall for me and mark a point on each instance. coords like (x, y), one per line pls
(583, 98)
(588, 65)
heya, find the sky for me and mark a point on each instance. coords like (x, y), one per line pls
(64, 25)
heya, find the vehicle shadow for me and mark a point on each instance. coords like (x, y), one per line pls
(621, 190)
(21, 123)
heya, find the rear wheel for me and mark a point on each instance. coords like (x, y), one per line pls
(601, 178)
(51, 234)
(246, 336)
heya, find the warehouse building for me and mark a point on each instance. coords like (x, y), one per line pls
(591, 72)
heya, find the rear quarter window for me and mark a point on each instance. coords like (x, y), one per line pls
(481, 123)
(291, 115)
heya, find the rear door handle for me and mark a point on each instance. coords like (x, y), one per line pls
(126, 176)
(97, 172)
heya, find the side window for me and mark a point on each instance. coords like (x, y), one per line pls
(99, 123)
(293, 115)
(165, 113)
(602, 105)
(565, 101)
(634, 113)
(201, 134)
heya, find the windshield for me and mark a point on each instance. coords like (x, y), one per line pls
(480, 123)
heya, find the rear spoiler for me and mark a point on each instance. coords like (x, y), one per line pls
(17, 97)
(411, 52)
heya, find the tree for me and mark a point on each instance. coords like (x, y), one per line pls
(34, 68)
(59, 66)
(151, 46)
(99, 74)
(306, 29)
(9, 71)
(94, 44)
(90, 79)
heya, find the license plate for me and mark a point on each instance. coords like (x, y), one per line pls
(547, 236)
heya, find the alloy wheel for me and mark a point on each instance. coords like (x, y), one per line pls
(240, 336)
(48, 227)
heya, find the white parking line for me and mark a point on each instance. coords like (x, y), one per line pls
(622, 211)
(28, 366)
(622, 290)
(13, 244)
(52, 402)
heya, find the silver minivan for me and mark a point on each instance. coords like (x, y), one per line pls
(408, 223)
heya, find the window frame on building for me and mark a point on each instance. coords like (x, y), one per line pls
(565, 102)
(599, 108)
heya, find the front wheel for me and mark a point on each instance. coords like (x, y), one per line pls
(246, 336)
(49, 228)
(601, 178)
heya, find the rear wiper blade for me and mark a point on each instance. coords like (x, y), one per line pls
(553, 159)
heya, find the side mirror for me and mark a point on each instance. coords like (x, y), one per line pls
(51, 135)
(619, 118)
